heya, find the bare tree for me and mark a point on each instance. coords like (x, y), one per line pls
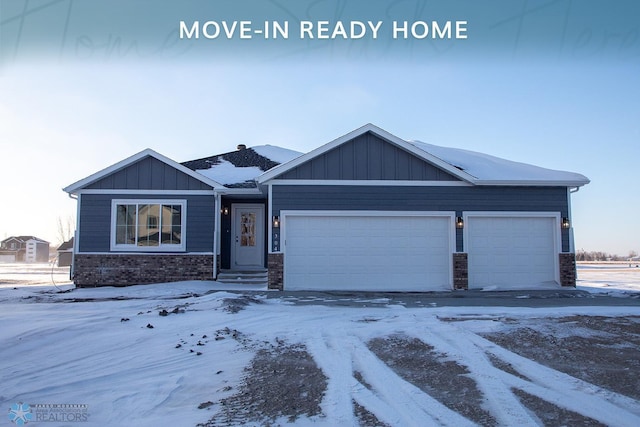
(66, 228)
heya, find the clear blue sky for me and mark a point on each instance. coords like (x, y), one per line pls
(63, 120)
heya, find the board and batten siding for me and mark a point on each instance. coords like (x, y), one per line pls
(418, 198)
(148, 174)
(95, 220)
(368, 157)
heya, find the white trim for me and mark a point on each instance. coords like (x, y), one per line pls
(370, 182)
(76, 186)
(282, 168)
(182, 247)
(572, 245)
(149, 192)
(217, 203)
(557, 234)
(76, 236)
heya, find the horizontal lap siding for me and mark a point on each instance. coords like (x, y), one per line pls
(447, 198)
(95, 221)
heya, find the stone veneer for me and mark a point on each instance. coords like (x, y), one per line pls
(132, 269)
(276, 271)
(460, 271)
(568, 269)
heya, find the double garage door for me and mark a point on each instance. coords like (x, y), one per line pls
(413, 252)
(368, 253)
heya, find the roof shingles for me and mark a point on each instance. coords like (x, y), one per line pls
(244, 158)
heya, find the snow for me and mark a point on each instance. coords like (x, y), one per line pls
(275, 153)
(76, 347)
(613, 278)
(226, 172)
(485, 167)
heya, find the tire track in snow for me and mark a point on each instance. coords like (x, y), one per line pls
(416, 406)
(562, 389)
(502, 403)
(335, 362)
(392, 399)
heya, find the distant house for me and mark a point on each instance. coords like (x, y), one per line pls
(24, 249)
(368, 211)
(65, 253)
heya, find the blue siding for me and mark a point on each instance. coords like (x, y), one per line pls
(458, 199)
(149, 174)
(95, 221)
(368, 157)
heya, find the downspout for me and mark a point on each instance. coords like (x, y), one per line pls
(76, 242)
(216, 234)
(570, 191)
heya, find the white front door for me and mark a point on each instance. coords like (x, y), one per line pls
(247, 237)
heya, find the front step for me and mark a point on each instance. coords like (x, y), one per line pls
(243, 277)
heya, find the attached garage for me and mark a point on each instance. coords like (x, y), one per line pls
(512, 250)
(380, 251)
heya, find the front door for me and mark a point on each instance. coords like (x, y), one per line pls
(247, 237)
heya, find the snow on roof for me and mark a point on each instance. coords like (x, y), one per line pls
(227, 173)
(490, 169)
(243, 166)
(275, 153)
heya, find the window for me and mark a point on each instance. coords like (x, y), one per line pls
(148, 225)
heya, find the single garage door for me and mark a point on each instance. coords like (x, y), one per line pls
(368, 253)
(511, 252)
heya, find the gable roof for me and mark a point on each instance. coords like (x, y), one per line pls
(79, 185)
(241, 168)
(23, 239)
(271, 174)
(472, 167)
(66, 246)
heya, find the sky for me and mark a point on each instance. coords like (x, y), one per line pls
(62, 120)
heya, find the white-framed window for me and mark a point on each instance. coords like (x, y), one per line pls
(148, 225)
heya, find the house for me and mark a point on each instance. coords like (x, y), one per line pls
(65, 253)
(367, 211)
(24, 249)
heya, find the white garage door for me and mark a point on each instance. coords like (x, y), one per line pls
(511, 252)
(370, 253)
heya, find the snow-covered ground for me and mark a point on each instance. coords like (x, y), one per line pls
(109, 349)
(614, 278)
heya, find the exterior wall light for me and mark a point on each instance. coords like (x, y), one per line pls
(459, 222)
(566, 223)
(225, 210)
(276, 221)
